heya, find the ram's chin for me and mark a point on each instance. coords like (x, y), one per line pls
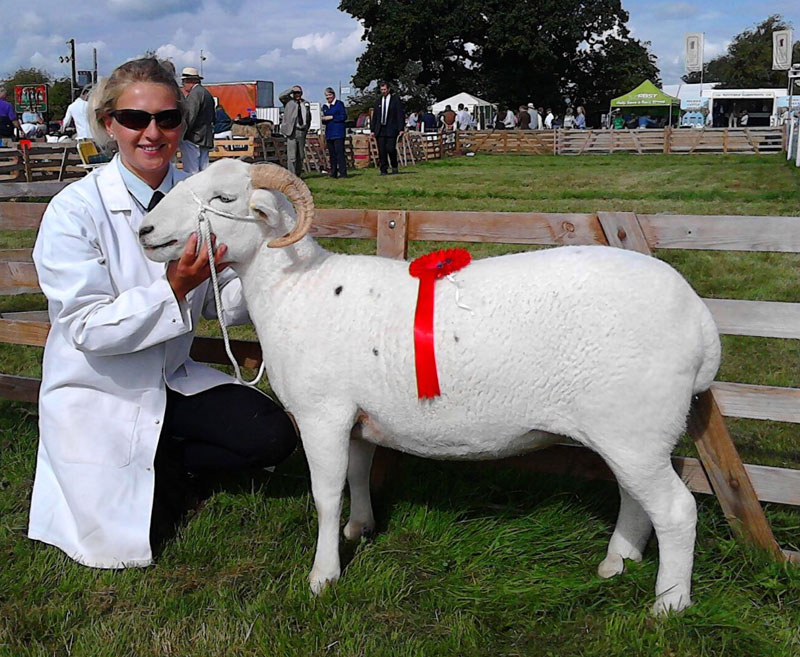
(164, 252)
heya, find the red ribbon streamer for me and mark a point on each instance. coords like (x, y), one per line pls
(429, 269)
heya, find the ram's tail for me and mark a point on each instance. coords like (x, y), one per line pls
(712, 351)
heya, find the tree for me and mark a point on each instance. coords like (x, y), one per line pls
(505, 52)
(58, 94)
(747, 64)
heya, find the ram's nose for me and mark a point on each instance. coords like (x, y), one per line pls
(145, 230)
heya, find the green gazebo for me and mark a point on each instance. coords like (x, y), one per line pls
(648, 96)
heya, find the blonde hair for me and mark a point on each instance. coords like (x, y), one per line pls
(104, 96)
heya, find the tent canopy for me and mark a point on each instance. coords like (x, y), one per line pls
(469, 101)
(646, 95)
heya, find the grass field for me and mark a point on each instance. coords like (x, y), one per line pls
(470, 559)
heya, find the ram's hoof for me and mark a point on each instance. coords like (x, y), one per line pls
(612, 565)
(319, 584)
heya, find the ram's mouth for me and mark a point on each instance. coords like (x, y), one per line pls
(148, 247)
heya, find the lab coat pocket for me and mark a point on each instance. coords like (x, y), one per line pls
(97, 431)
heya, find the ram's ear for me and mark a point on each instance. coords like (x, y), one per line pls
(264, 203)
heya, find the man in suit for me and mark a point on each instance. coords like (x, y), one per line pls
(388, 123)
(198, 140)
(294, 126)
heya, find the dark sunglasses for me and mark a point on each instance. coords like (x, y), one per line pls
(139, 119)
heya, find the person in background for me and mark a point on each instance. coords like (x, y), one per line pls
(569, 118)
(427, 121)
(744, 118)
(334, 116)
(388, 123)
(534, 117)
(464, 119)
(548, 119)
(78, 113)
(523, 119)
(509, 120)
(580, 118)
(33, 125)
(128, 422)
(198, 140)
(223, 124)
(448, 119)
(8, 117)
(294, 126)
(412, 121)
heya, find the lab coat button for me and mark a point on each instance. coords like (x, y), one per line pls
(158, 421)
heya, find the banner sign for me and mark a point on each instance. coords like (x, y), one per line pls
(30, 98)
(694, 52)
(781, 50)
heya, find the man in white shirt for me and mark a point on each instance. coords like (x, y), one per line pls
(548, 120)
(78, 112)
(463, 118)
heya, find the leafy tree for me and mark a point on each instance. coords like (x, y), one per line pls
(747, 64)
(506, 52)
(58, 93)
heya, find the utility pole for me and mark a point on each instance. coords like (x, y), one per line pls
(202, 59)
(94, 70)
(74, 83)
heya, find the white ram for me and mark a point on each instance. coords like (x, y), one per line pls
(599, 344)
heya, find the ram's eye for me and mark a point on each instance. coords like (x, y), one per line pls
(225, 199)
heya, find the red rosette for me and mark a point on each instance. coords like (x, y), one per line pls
(24, 144)
(428, 269)
(440, 263)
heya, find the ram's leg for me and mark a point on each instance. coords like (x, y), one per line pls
(326, 452)
(629, 538)
(673, 512)
(361, 522)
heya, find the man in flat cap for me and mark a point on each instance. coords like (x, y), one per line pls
(294, 126)
(198, 139)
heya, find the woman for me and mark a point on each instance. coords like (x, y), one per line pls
(124, 414)
(580, 118)
(334, 116)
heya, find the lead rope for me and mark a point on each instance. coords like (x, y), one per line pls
(204, 231)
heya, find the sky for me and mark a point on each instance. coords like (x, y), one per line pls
(306, 42)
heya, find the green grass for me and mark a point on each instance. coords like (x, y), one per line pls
(470, 559)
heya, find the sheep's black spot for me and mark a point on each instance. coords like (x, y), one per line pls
(455, 337)
(371, 290)
(338, 291)
(374, 351)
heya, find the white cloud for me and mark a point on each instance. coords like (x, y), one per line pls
(328, 44)
(270, 58)
(314, 42)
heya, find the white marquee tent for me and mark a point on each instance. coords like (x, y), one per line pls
(480, 110)
(470, 102)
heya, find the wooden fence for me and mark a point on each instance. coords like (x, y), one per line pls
(719, 469)
(665, 140)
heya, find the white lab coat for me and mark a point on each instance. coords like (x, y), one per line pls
(118, 338)
(78, 111)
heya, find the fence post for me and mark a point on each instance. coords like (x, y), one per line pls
(727, 475)
(392, 232)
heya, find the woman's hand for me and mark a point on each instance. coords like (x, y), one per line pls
(190, 270)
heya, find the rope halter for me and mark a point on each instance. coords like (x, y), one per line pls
(204, 231)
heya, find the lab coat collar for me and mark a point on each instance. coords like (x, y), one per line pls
(112, 187)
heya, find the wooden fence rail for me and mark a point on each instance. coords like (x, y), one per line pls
(664, 140)
(719, 469)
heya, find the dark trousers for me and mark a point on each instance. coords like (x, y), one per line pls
(337, 158)
(387, 152)
(226, 429)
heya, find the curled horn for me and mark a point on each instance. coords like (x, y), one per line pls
(271, 176)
